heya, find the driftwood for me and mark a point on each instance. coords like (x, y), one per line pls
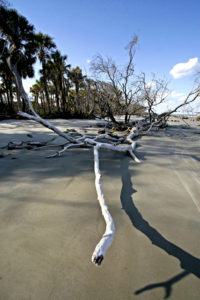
(112, 143)
(27, 144)
(107, 238)
(125, 144)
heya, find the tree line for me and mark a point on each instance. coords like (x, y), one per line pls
(63, 90)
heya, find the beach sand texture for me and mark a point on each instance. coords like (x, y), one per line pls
(50, 219)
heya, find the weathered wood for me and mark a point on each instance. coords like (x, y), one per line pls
(141, 126)
(47, 124)
(58, 153)
(118, 148)
(107, 237)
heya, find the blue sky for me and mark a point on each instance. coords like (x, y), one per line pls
(168, 31)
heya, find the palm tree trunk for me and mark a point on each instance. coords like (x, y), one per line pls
(57, 98)
(47, 97)
(46, 87)
(78, 104)
(63, 99)
(63, 96)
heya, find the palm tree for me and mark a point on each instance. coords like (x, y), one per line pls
(77, 79)
(59, 70)
(18, 43)
(45, 47)
(7, 80)
(37, 91)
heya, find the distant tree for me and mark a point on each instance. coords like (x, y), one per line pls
(90, 101)
(122, 85)
(108, 101)
(59, 71)
(77, 78)
(45, 48)
(7, 85)
(152, 93)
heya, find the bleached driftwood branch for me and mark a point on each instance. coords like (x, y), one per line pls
(118, 148)
(88, 141)
(47, 124)
(14, 145)
(58, 153)
(107, 238)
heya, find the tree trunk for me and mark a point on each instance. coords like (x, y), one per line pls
(7, 96)
(126, 118)
(78, 105)
(57, 98)
(47, 98)
(111, 116)
(63, 95)
(19, 104)
(35, 116)
(43, 103)
(150, 116)
(46, 88)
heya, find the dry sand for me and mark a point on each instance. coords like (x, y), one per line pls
(50, 220)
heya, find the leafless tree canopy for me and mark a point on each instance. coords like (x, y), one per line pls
(122, 80)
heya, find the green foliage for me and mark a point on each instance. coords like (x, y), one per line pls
(61, 90)
(18, 40)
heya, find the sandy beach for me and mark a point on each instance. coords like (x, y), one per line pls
(50, 219)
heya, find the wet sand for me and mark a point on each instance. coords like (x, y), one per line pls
(50, 220)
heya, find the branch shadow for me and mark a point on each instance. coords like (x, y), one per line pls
(71, 163)
(167, 285)
(189, 263)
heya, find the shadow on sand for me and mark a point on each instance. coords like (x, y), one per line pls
(189, 263)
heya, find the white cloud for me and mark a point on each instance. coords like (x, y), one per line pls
(177, 96)
(185, 69)
(88, 60)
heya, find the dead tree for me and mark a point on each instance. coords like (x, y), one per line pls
(190, 98)
(123, 88)
(112, 143)
(122, 80)
(152, 94)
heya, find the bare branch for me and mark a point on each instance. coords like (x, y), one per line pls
(191, 97)
(47, 124)
(107, 238)
(65, 148)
